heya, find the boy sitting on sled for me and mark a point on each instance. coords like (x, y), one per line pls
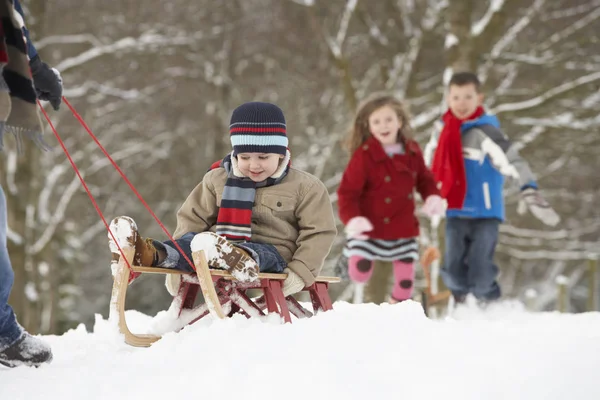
(251, 213)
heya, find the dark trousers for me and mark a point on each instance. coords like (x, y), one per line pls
(468, 260)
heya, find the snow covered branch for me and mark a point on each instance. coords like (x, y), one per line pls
(573, 11)
(148, 40)
(307, 3)
(560, 255)
(548, 95)
(570, 30)
(68, 39)
(489, 18)
(337, 44)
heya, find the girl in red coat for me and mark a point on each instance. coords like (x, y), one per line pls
(375, 198)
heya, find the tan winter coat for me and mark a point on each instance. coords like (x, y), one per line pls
(294, 215)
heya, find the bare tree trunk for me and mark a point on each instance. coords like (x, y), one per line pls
(460, 54)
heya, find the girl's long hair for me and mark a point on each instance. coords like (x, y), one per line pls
(359, 132)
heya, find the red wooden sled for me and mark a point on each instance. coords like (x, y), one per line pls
(224, 296)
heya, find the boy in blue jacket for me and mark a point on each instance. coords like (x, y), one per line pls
(470, 157)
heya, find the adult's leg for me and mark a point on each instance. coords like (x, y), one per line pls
(17, 347)
(10, 330)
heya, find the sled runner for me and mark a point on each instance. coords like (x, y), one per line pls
(223, 295)
(429, 298)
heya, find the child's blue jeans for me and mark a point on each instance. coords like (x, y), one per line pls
(10, 330)
(266, 255)
(469, 257)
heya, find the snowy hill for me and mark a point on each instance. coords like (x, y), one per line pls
(355, 352)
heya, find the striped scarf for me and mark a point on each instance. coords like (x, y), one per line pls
(18, 108)
(234, 220)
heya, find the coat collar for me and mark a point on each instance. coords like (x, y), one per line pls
(374, 148)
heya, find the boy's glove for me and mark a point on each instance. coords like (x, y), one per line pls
(293, 283)
(434, 205)
(47, 82)
(532, 199)
(356, 228)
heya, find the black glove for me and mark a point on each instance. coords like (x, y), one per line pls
(47, 82)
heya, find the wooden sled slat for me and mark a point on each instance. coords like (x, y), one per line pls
(224, 274)
(117, 303)
(219, 295)
(119, 294)
(206, 285)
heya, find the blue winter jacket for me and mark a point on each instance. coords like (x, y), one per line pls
(488, 155)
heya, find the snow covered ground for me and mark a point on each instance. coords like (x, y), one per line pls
(355, 352)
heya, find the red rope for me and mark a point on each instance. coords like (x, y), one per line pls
(89, 131)
(87, 190)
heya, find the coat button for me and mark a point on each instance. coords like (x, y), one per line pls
(386, 220)
(365, 147)
(387, 200)
(278, 204)
(387, 178)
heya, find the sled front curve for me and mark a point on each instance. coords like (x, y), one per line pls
(119, 295)
(206, 285)
(223, 295)
(117, 303)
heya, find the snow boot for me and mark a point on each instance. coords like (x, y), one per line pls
(222, 254)
(126, 233)
(28, 351)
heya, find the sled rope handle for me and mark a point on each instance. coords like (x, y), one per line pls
(114, 164)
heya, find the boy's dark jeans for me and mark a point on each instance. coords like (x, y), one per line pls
(266, 255)
(468, 260)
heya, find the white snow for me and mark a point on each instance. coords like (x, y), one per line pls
(353, 352)
(30, 292)
(451, 40)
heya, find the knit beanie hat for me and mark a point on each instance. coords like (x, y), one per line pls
(258, 128)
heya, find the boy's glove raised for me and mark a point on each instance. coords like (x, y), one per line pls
(532, 199)
(356, 228)
(293, 283)
(47, 82)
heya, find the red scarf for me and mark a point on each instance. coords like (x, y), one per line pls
(448, 163)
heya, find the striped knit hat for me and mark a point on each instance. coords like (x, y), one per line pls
(258, 128)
